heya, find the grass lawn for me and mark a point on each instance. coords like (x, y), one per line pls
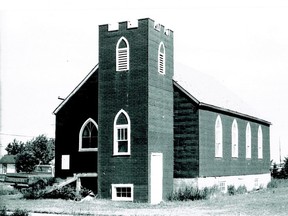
(273, 201)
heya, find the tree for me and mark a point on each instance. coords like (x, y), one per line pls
(25, 162)
(286, 166)
(39, 150)
(15, 147)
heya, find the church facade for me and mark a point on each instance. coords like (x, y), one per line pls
(133, 133)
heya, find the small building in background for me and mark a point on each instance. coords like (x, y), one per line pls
(7, 164)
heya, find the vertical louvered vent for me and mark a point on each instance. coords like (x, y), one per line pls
(161, 58)
(122, 52)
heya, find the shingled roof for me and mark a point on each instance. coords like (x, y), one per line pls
(8, 159)
(209, 92)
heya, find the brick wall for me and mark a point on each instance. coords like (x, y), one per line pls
(211, 166)
(69, 120)
(186, 136)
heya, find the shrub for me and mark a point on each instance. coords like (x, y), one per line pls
(19, 212)
(193, 193)
(3, 211)
(231, 190)
(241, 189)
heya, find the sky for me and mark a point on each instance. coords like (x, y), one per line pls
(48, 47)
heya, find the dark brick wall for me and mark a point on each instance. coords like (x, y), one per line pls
(69, 120)
(186, 136)
(125, 90)
(160, 104)
(146, 96)
(211, 166)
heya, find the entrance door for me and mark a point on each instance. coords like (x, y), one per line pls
(156, 178)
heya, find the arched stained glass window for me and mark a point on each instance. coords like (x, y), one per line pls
(121, 134)
(248, 141)
(88, 136)
(218, 137)
(234, 135)
(260, 143)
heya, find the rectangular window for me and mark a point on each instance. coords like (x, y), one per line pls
(222, 186)
(65, 162)
(122, 192)
(122, 139)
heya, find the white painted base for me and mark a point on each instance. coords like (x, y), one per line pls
(250, 181)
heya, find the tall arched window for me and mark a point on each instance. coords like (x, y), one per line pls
(248, 141)
(121, 134)
(88, 136)
(218, 137)
(260, 143)
(234, 139)
(161, 58)
(122, 55)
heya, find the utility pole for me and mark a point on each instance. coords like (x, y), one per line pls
(280, 151)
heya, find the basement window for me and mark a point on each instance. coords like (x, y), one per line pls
(122, 192)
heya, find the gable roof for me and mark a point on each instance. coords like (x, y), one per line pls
(207, 92)
(76, 89)
(8, 159)
(203, 89)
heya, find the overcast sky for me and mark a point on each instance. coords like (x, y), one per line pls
(47, 48)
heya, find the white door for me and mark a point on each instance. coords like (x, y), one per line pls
(156, 178)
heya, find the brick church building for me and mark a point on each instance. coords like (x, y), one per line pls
(132, 132)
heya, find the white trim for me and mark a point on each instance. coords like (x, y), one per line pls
(260, 143)
(114, 194)
(80, 136)
(218, 138)
(234, 139)
(65, 162)
(76, 89)
(248, 141)
(127, 49)
(161, 59)
(115, 136)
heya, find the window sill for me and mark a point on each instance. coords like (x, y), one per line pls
(89, 150)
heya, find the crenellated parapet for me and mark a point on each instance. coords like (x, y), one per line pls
(134, 24)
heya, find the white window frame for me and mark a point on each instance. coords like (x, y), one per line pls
(260, 143)
(80, 136)
(120, 65)
(114, 192)
(65, 162)
(248, 141)
(122, 126)
(218, 138)
(222, 186)
(234, 139)
(161, 59)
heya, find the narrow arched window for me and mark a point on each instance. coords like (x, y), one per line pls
(88, 136)
(234, 135)
(218, 137)
(161, 58)
(248, 141)
(122, 55)
(121, 134)
(260, 143)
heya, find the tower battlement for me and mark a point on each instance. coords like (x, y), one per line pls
(133, 24)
